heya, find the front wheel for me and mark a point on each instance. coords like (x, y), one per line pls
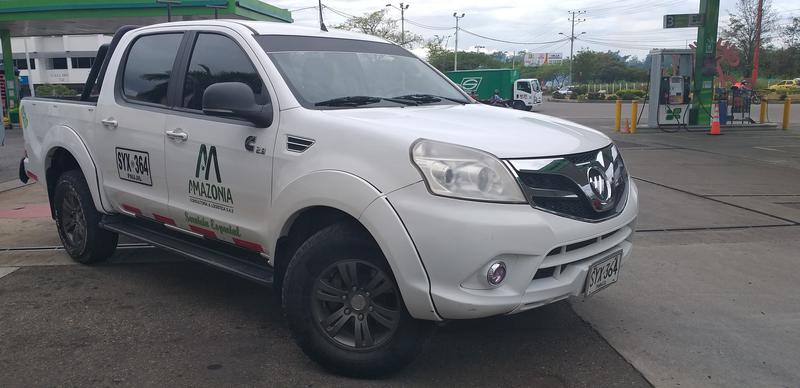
(519, 105)
(344, 307)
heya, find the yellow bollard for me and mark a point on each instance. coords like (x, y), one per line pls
(634, 112)
(787, 107)
(762, 116)
(618, 115)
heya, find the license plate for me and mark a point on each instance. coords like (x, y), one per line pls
(134, 166)
(603, 273)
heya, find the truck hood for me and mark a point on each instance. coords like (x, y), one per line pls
(504, 132)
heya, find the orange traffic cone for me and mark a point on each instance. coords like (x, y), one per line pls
(627, 127)
(715, 129)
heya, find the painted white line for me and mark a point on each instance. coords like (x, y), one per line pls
(769, 149)
(7, 270)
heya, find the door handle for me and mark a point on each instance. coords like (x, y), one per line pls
(110, 123)
(177, 134)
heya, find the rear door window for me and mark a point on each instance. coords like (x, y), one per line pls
(217, 58)
(148, 67)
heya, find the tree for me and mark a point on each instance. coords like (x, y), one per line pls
(791, 33)
(606, 66)
(741, 29)
(379, 24)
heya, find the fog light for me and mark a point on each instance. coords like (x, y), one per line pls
(497, 273)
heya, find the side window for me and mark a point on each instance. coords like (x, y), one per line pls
(216, 58)
(148, 67)
(524, 86)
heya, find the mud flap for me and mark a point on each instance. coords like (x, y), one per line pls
(23, 176)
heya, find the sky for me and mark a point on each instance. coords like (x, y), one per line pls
(632, 27)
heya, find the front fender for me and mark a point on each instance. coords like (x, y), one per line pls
(67, 138)
(358, 198)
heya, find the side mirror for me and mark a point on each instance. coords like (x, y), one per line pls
(236, 99)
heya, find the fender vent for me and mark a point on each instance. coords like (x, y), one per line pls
(298, 144)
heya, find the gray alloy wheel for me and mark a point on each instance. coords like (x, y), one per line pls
(356, 305)
(73, 221)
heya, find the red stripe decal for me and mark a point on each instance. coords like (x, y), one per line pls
(129, 208)
(31, 175)
(248, 245)
(163, 219)
(205, 232)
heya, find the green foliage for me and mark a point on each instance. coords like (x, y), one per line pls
(443, 60)
(630, 94)
(556, 74)
(54, 90)
(581, 89)
(606, 67)
(596, 96)
(379, 24)
(741, 29)
(612, 97)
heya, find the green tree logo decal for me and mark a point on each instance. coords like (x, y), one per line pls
(674, 113)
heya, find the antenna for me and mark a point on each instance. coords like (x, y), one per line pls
(321, 22)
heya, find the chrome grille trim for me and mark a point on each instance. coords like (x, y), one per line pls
(568, 185)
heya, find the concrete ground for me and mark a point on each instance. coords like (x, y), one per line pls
(708, 297)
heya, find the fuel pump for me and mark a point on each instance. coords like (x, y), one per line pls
(673, 101)
(670, 84)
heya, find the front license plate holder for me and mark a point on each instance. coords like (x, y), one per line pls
(603, 273)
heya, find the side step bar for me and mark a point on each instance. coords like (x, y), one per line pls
(247, 264)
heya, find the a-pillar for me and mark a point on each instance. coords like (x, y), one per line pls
(12, 99)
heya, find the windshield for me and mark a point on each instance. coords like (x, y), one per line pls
(326, 73)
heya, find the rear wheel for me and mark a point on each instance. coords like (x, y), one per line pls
(77, 221)
(344, 307)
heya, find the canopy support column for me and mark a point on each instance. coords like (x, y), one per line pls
(12, 99)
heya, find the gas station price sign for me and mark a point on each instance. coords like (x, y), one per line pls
(683, 20)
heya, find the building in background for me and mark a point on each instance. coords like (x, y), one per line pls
(538, 59)
(64, 60)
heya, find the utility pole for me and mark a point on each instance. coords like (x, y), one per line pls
(455, 53)
(572, 36)
(758, 44)
(402, 8)
(321, 23)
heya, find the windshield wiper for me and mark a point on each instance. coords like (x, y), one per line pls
(362, 100)
(429, 98)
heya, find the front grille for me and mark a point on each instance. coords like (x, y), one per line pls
(562, 185)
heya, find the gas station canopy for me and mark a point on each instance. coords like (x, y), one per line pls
(58, 17)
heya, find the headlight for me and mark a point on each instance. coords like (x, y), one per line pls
(461, 172)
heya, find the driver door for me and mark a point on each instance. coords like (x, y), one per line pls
(219, 169)
(522, 92)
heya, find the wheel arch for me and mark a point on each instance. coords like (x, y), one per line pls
(315, 201)
(69, 153)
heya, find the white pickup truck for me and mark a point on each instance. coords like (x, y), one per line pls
(371, 192)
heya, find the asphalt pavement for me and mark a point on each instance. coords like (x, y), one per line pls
(708, 297)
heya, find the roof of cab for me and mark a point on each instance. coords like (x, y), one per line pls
(275, 28)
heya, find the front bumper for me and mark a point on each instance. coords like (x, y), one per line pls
(547, 256)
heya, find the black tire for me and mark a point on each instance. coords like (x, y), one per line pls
(77, 221)
(519, 105)
(315, 281)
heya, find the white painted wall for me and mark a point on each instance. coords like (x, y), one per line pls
(42, 48)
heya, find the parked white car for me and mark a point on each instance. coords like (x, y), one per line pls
(338, 168)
